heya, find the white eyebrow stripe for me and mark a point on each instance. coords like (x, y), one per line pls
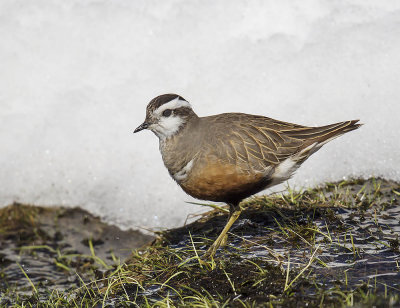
(173, 104)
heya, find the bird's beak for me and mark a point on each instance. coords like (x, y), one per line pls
(142, 126)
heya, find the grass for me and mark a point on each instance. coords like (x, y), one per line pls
(300, 248)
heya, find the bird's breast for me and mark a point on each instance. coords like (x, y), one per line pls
(222, 182)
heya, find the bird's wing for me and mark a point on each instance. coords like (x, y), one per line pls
(255, 143)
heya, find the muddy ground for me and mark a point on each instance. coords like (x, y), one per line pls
(332, 246)
(57, 248)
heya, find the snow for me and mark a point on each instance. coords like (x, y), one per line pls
(77, 75)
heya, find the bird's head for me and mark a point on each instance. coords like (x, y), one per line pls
(166, 115)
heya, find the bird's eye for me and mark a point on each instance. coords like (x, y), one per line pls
(167, 112)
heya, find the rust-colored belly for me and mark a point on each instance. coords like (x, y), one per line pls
(222, 182)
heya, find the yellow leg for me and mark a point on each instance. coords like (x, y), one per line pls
(223, 236)
(224, 240)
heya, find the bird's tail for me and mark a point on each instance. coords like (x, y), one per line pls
(315, 137)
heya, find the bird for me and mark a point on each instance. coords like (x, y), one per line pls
(229, 157)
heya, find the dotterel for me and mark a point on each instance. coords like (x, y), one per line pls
(231, 156)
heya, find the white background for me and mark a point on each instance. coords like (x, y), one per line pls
(76, 76)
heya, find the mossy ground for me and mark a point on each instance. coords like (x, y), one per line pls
(333, 246)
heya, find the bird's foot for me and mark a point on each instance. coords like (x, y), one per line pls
(223, 237)
(212, 250)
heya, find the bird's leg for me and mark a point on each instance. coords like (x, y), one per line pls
(224, 240)
(234, 213)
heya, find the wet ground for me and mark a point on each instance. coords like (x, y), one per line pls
(57, 249)
(337, 245)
